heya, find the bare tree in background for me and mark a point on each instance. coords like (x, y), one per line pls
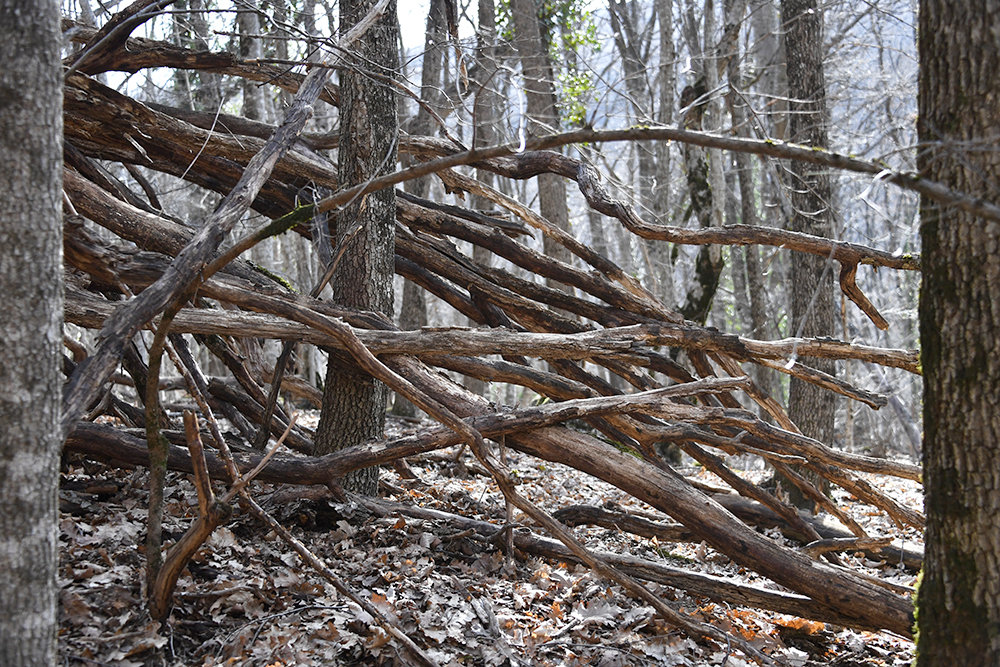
(703, 190)
(542, 112)
(811, 277)
(413, 309)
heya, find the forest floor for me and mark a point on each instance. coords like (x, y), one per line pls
(247, 599)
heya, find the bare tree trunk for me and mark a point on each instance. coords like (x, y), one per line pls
(200, 90)
(708, 262)
(413, 309)
(251, 48)
(768, 59)
(353, 403)
(542, 116)
(31, 328)
(700, 176)
(487, 116)
(751, 297)
(652, 177)
(812, 292)
(659, 251)
(958, 603)
(281, 45)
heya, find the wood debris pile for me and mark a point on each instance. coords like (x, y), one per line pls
(590, 323)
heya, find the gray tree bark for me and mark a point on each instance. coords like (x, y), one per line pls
(198, 90)
(751, 297)
(958, 602)
(812, 304)
(660, 251)
(487, 118)
(251, 47)
(542, 114)
(413, 308)
(652, 176)
(353, 403)
(704, 190)
(31, 327)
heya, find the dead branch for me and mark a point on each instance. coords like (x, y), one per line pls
(212, 513)
(628, 343)
(611, 321)
(91, 375)
(702, 585)
(140, 53)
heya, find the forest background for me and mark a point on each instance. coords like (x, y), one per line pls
(663, 271)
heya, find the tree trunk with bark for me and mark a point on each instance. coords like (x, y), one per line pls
(31, 328)
(542, 114)
(812, 292)
(958, 603)
(354, 403)
(413, 307)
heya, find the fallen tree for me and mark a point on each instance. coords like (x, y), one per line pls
(603, 330)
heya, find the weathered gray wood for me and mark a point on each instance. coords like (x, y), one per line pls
(92, 373)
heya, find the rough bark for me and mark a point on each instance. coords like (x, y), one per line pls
(487, 114)
(31, 328)
(752, 298)
(959, 101)
(353, 403)
(90, 375)
(653, 158)
(812, 293)
(431, 250)
(708, 263)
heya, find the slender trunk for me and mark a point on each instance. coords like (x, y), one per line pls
(487, 115)
(542, 114)
(701, 176)
(413, 308)
(248, 24)
(660, 251)
(652, 176)
(751, 296)
(812, 311)
(353, 403)
(708, 261)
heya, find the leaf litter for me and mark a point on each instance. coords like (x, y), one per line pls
(247, 599)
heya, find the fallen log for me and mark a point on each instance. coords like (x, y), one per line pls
(751, 512)
(670, 493)
(693, 583)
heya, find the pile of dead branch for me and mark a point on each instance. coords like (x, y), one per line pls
(595, 328)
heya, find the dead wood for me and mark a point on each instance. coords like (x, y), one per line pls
(617, 519)
(669, 493)
(90, 375)
(697, 584)
(254, 411)
(756, 514)
(212, 513)
(139, 53)
(104, 43)
(632, 344)
(846, 544)
(108, 443)
(611, 321)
